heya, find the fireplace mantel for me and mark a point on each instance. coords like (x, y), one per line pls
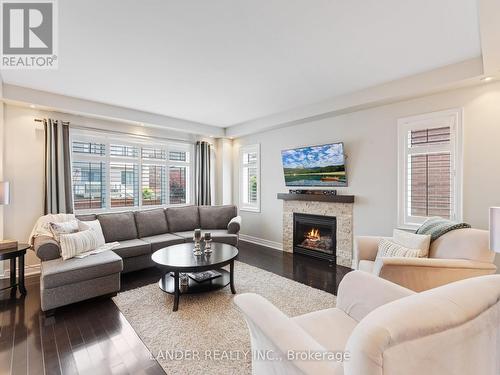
(340, 206)
(316, 197)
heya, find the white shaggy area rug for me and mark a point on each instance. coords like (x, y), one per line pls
(208, 334)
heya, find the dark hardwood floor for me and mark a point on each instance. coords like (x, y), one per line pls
(94, 338)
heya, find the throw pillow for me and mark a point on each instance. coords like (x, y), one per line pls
(388, 248)
(413, 241)
(92, 224)
(57, 229)
(76, 243)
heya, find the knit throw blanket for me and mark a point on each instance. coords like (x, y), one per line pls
(437, 226)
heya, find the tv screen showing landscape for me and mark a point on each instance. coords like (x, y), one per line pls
(322, 165)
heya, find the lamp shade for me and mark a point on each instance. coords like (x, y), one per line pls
(495, 229)
(4, 193)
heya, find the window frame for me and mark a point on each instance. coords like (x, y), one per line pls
(452, 118)
(106, 138)
(255, 207)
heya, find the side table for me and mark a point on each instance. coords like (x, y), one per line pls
(13, 254)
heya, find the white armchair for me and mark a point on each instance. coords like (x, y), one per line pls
(456, 255)
(383, 329)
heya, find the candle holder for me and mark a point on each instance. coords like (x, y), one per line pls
(183, 282)
(197, 238)
(208, 243)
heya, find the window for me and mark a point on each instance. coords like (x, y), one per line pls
(250, 178)
(117, 172)
(88, 180)
(430, 154)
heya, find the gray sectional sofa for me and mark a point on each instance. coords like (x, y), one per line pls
(140, 234)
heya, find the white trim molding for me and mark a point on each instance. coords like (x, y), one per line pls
(29, 270)
(261, 241)
(243, 187)
(452, 118)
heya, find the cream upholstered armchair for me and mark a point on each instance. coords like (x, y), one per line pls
(454, 256)
(382, 329)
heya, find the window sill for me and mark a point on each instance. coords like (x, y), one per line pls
(250, 209)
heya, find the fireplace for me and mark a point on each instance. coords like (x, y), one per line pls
(315, 235)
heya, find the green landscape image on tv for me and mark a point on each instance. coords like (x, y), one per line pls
(322, 165)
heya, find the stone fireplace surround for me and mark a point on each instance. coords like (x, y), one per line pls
(337, 206)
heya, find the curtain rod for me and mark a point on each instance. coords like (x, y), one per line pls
(82, 127)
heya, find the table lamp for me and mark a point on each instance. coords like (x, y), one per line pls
(4, 200)
(495, 229)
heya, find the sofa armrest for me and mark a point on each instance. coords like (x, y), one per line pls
(234, 225)
(366, 247)
(46, 248)
(421, 274)
(271, 329)
(361, 292)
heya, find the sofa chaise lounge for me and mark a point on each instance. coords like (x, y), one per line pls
(139, 234)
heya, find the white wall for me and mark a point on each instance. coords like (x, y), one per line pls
(23, 163)
(370, 138)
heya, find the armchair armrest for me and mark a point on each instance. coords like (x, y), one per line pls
(271, 329)
(233, 227)
(46, 248)
(366, 247)
(420, 274)
(361, 292)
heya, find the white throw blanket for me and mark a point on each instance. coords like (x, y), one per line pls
(42, 225)
(42, 228)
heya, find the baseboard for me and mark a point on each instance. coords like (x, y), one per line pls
(30, 270)
(261, 241)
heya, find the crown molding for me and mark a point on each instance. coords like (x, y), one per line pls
(88, 108)
(466, 73)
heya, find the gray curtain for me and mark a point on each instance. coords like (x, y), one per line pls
(58, 197)
(202, 169)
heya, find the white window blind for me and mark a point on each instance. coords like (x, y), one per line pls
(124, 184)
(122, 172)
(430, 167)
(153, 185)
(88, 180)
(250, 177)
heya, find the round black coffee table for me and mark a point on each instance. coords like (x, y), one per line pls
(180, 258)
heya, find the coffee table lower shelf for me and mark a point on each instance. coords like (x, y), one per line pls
(167, 284)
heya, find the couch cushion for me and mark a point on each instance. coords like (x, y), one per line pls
(132, 248)
(163, 240)
(151, 222)
(118, 226)
(59, 272)
(330, 327)
(216, 217)
(218, 235)
(366, 265)
(87, 217)
(183, 218)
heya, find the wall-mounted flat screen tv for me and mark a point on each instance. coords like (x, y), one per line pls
(322, 165)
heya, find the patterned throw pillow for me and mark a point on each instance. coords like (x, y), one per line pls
(412, 241)
(93, 224)
(66, 227)
(76, 243)
(387, 248)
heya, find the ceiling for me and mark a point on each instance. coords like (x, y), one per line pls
(224, 62)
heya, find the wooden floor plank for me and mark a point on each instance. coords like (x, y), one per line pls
(19, 364)
(7, 315)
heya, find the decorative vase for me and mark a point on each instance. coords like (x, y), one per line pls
(208, 243)
(197, 238)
